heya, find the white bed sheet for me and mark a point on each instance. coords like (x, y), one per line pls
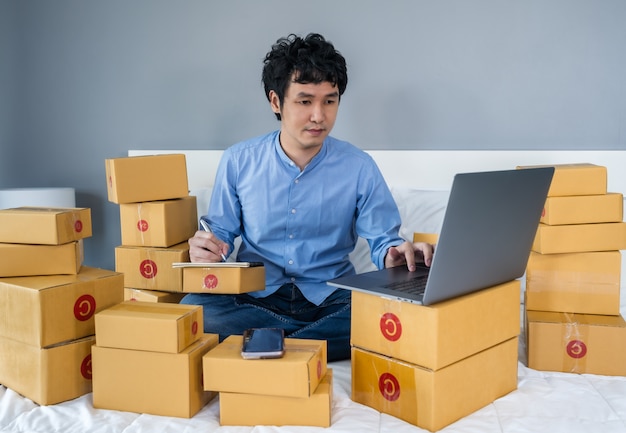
(547, 402)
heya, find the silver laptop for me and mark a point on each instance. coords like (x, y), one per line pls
(486, 236)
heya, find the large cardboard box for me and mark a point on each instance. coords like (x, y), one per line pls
(587, 283)
(160, 223)
(255, 409)
(46, 310)
(50, 226)
(576, 343)
(157, 383)
(146, 178)
(149, 326)
(580, 238)
(296, 374)
(152, 296)
(576, 179)
(47, 375)
(434, 399)
(583, 209)
(21, 260)
(151, 267)
(220, 280)
(438, 335)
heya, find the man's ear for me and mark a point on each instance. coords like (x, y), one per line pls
(274, 102)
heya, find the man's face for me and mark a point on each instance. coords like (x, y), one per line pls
(308, 114)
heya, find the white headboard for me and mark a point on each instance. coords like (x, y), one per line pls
(432, 169)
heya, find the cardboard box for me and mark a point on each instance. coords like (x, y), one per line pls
(46, 310)
(583, 209)
(576, 343)
(48, 375)
(586, 283)
(217, 280)
(434, 399)
(296, 374)
(438, 335)
(50, 226)
(149, 326)
(429, 238)
(152, 296)
(576, 179)
(157, 383)
(151, 267)
(146, 178)
(159, 223)
(22, 260)
(255, 409)
(580, 238)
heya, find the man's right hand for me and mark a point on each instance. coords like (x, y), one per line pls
(205, 247)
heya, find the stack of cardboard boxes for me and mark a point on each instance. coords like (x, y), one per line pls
(432, 365)
(572, 306)
(157, 217)
(148, 359)
(48, 301)
(293, 390)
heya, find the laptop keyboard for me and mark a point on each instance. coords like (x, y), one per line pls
(414, 286)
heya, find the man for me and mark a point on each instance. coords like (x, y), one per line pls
(299, 199)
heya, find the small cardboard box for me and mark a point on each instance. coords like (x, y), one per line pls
(255, 409)
(159, 223)
(23, 260)
(583, 209)
(434, 399)
(576, 343)
(152, 296)
(438, 335)
(296, 374)
(576, 179)
(149, 326)
(46, 310)
(220, 280)
(49, 226)
(151, 267)
(48, 375)
(146, 178)
(157, 383)
(587, 283)
(580, 238)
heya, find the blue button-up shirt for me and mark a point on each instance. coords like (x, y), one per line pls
(302, 224)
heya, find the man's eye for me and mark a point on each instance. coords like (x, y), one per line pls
(305, 102)
(331, 101)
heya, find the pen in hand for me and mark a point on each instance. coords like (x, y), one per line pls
(207, 229)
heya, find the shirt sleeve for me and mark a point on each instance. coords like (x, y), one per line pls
(378, 218)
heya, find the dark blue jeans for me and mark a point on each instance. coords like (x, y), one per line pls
(287, 308)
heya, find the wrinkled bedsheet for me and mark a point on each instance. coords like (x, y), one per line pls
(547, 402)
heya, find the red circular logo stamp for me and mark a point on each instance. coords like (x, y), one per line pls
(576, 349)
(148, 269)
(142, 225)
(78, 226)
(194, 328)
(85, 367)
(390, 326)
(389, 386)
(84, 307)
(210, 281)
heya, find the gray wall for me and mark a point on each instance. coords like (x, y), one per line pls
(88, 80)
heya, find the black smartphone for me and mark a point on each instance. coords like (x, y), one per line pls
(263, 343)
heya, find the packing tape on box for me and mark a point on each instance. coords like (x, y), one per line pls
(575, 337)
(37, 197)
